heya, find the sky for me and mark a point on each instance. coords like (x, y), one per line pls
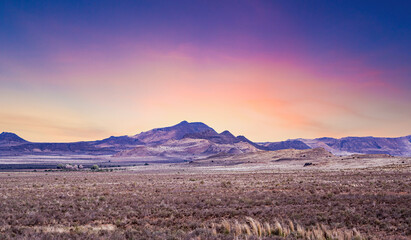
(269, 70)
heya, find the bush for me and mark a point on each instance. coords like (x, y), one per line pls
(60, 166)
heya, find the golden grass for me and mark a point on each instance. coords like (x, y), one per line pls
(253, 227)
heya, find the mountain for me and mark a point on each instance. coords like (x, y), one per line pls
(176, 132)
(181, 140)
(11, 144)
(187, 140)
(10, 139)
(195, 140)
(400, 146)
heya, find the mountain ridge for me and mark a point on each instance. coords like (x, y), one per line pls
(205, 140)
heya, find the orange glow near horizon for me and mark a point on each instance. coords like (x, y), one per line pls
(268, 70)
(263, 98)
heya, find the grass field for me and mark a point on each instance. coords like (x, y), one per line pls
(371, 203)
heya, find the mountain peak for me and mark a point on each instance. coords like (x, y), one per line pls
(7, 133)
(226, 132)
(189, 124)
(176, 132)
(8, 137)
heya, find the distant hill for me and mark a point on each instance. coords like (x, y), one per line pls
(289, 144)
(10, 139)
(400, 146)
(304, 155)
(118, 143)
(86, 148)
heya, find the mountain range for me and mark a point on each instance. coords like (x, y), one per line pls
(196, 140)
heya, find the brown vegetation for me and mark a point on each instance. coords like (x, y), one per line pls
(305, 204)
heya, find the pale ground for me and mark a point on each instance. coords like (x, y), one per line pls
(260, 162)
(36, 159)
(335, 164)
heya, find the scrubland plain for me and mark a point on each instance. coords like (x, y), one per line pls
(188, 203)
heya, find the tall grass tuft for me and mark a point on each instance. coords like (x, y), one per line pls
(237, 228)
(278, 229)
(226, 226)
(268, 230)
(254, 228)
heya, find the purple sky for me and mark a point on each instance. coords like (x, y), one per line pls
(270, 70)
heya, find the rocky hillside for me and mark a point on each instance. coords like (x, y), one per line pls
(187, 141)
(188, 148)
